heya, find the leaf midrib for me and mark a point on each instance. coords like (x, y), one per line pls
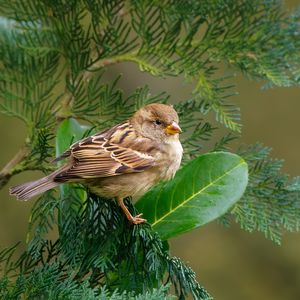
(195, 194)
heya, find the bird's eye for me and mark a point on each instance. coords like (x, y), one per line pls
(158, 122)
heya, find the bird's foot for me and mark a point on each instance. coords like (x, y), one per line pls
(138, 220)
(134, 220)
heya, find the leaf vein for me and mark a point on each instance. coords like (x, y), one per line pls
(195, 194)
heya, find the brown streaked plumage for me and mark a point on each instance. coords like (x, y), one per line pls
(125, 160)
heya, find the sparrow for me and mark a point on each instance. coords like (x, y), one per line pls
(125, 160)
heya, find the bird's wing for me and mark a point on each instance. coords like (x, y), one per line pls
(111, 153)
(68, 152)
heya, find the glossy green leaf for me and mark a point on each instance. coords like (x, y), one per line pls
(201, 191)
(68, 132)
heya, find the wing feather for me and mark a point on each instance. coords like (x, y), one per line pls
(104, 155)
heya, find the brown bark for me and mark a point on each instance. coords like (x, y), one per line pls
(9, 169)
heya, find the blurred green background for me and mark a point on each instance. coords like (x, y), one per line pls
(230, 263)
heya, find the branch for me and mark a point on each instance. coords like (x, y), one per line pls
(10, 168)
(98, 64)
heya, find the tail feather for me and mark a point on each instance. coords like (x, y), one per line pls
(28, 190)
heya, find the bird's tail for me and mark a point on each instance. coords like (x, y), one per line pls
(30, 189)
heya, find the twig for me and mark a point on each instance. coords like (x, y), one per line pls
(98, 64)
(9, 169)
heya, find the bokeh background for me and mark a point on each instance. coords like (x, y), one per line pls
(230, 263)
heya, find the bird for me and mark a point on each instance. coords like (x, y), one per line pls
(123, 161)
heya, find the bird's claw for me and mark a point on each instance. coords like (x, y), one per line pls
(138, 220)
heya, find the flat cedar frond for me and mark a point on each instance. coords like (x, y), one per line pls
(97, 248)
(271, 201)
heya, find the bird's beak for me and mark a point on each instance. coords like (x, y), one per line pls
(173, 128)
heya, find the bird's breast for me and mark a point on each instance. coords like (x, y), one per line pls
(170, 159)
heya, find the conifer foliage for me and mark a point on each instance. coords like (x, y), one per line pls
(54, 55)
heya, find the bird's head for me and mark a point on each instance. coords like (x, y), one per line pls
(157, 121)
